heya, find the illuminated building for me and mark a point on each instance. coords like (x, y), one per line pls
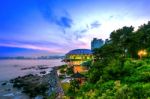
(76, 57)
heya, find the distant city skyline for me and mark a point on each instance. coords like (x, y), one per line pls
(53, 27)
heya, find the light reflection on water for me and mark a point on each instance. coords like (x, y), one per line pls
(12, 68)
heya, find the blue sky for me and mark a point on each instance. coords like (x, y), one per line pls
(53, 27)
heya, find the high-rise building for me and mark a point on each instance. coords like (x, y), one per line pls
(96, 43)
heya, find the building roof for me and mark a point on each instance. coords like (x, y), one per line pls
(79, 51)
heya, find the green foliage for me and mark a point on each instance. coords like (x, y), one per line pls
(74, 86)
(113, 70)
(106, 53)
(61, 77)
(62, 67)
(134, 80)
(95, 72)
(87, 86)
(117, 73)
(87, 64)
(52, 96)
(69, 71)
(62, 71)
(65, 87)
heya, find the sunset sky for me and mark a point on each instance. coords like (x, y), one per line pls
(53, 27)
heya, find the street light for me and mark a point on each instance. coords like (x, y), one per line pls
(142, 53)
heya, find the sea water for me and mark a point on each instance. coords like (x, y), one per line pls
(13, 68)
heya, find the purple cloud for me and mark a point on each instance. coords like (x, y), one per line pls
(95, 24)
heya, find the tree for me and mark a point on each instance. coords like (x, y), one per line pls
(69, 71)
(74, 85)
(87, 64)
(121, 39)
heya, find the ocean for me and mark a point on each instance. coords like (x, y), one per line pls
(13, 68)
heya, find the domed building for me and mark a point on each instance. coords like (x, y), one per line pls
(76, 57)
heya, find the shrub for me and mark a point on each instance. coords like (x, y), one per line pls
(69, 71)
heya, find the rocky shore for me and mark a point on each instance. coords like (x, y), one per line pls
(32, 86)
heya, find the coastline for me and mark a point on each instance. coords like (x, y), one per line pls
(13, 68)
(8, 91)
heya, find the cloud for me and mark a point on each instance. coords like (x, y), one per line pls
(84, 30)
(29, 46)
(65, 22)
(95, 24)
(80, 33)
(52, 47)
(46, 10)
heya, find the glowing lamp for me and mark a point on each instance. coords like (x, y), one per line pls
(142, 53)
